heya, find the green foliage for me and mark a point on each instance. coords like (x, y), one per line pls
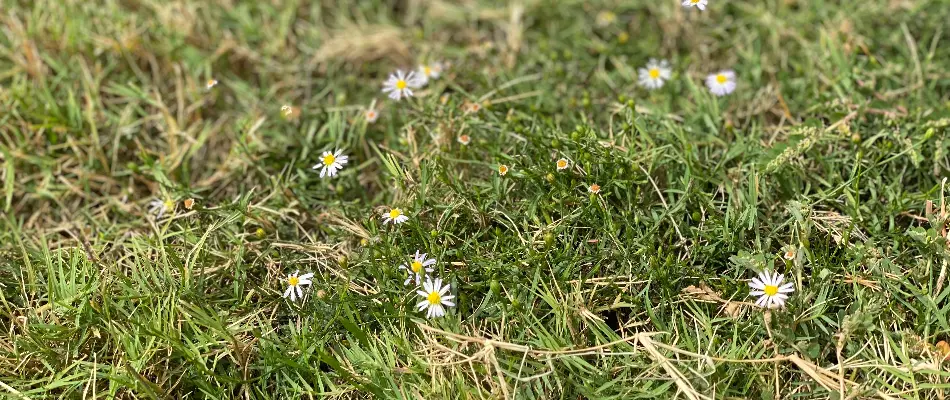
(831, 147)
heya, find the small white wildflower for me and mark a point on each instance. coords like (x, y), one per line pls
(470, 108)
(789, 253)
(395, 216)
(770, 289)
(418, 267)
(700, 4)
(330, 163)
(400, 85)
(594, 188)
(464, 139)
(371, 115)
(428, 72)
(562, 164)
(721, 83)
(294, 283)
(605, 18)
(436, 298)
(160, 207)
(655, 74)
(210, 84)
(502, 170)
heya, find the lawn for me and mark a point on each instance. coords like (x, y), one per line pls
(217, 199)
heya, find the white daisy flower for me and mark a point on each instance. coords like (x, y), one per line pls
(700, 4)
(464, 139)
(400, 84)
(418, 267)
(428, 72)
(371, 115)
(502, 170)
(436, 298)
(594, 188)
(210, 84)
(721, 83)
(294, 283)
(159, 207)
(655, 74)
(395, 216)
(770, 289)
(330, 163)
(562, 164)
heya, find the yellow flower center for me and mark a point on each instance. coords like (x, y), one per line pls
(427, 70)
(789, 254)
(328, 159)
(595, 188)
(654, 73)
(721, 78)
(561, 163)
(395, 213)
(695, 1)
(401, 84)
(771, 290)
(293, 281)
(503, 169)
(434, 298)
(416, 266)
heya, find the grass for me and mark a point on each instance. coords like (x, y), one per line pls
(835, 144)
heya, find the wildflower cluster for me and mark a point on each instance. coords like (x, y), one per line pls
(655, 74)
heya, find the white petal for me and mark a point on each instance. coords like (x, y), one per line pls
(756, 293)
(299, 292)
(756, 284)
(288, 291)
(307, 275)
(445, 289)
(422, 304)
